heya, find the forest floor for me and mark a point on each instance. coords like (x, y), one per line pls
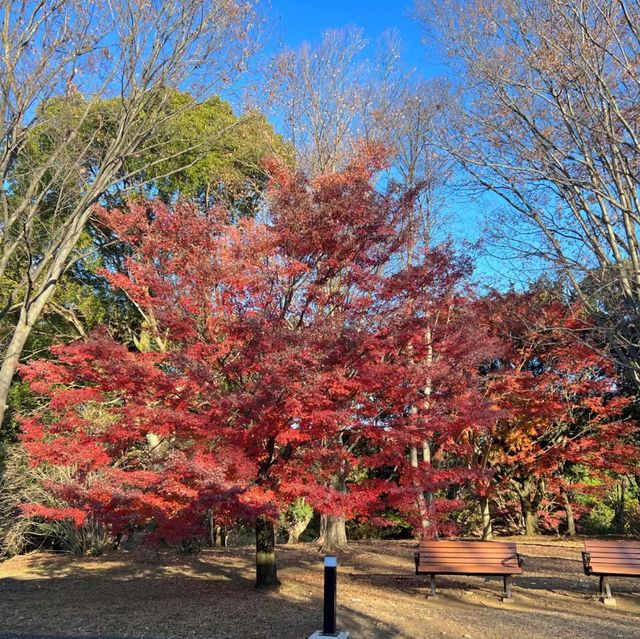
(144, 594)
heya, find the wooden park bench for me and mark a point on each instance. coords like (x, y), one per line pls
(611, 559)
(486, 558)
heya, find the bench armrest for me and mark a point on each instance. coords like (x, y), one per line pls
(416, 559)
(586, 559)
(522, 560)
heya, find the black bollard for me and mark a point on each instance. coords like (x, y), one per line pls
(329, 628)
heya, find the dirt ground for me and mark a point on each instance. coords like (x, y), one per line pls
(148, 595)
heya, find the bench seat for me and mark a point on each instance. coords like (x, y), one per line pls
(610, 559)
(480, 558)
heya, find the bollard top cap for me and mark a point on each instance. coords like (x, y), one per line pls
(330, 561)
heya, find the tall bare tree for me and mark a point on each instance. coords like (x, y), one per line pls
(118, 64)
(321, 96)
(331, 97)
(548, 120)
(406, 123)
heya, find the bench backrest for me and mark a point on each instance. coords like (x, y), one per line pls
(468, 557)
(613, 557)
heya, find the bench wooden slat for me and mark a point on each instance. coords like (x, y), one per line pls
(488, 557)
(468, 569)
(481, 548)
(607, 546)
(506, 561)
(461, 561)
(615, 570)
(611, 562)
(614, 562)
(495, 558)
(626, 552)
(468, 544)
(468, 558)
(612, 545)
(630, 556)
(483, 555)
(615, 558)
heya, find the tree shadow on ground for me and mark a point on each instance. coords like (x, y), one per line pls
(210, 596)
(156, 595)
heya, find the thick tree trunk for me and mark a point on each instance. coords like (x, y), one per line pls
(529, 516)
(333, 534)
(530, 491)
(266, 567)
(487, 526)
(568, 509)
(333, 528)
(298, 528)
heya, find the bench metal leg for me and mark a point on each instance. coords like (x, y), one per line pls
(605, 593)
(506, 595)
(432, 581)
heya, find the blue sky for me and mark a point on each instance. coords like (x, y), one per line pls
(297, 22)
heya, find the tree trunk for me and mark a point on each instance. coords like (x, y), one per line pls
(529, 516)
(12, 359)
(620, 508)
(426, 452)
(298, 528)
(333, 534)
(266, 567)
(424, 504)
(212, 529)
(530, 491)
(219, 536)
(423, 507)
(568, 509)
(333, 528)
(487, 526)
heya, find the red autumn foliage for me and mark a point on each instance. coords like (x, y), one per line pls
(556, 400)
(284, 352)
(319, 341)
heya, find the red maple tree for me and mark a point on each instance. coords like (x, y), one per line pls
(556, 400)
(274, 352)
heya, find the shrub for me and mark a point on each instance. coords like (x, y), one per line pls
(22, 484)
